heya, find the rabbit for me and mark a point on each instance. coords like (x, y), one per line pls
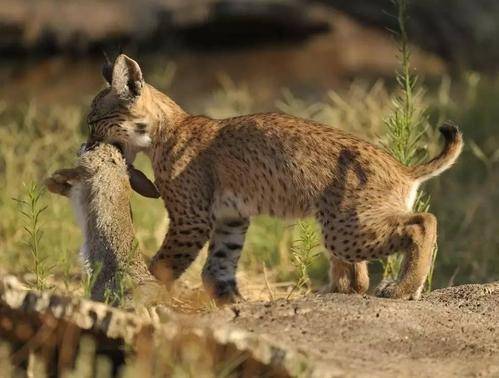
(100, 188)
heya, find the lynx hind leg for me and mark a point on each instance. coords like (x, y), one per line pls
(344, 276)
(416, 235)
(348, 278)
(219, 272)
(62, 181)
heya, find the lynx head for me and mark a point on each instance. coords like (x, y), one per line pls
(120, 112)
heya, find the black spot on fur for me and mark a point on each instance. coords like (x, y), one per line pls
(235, 223)
(233, 246)
(220, 255)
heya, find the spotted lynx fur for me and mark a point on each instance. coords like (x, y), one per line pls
(214, 175)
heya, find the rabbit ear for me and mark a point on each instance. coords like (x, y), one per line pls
(141, 184)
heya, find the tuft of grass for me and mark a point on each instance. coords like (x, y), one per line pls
(406, 128)
(230, 100)
(290, 104)
(407, 124)
(31, 209)
(36, 140)
(90, 279)
(303, 252)
(122, 281)
(116, 297)
(66, 267)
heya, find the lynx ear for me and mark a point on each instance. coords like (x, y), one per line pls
(127, 78)
(141, 184)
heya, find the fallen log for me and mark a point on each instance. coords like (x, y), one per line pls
(51, 327)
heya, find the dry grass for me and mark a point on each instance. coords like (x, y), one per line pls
(36, 141)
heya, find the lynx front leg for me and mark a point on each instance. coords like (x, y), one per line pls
(219, 272)
(184, 240)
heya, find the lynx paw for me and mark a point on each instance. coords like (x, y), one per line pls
(225, 292)
(391, 289)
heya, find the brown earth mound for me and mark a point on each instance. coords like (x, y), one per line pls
(450, 332)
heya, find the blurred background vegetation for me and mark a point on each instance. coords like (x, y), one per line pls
(332, 61)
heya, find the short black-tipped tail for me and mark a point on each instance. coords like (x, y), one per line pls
(449, 154)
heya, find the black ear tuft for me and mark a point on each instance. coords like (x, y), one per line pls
(107, 69)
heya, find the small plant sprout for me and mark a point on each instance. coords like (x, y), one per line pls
(293, 105)
(117, 296)
(31, 208)
(303, 253)
(66, 265)
(230, 99)
(91, 278)
(121, 284)
(406, 127)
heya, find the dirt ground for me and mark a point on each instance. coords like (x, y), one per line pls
(450, 332)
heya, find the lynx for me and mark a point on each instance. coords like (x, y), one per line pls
(214, 175)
